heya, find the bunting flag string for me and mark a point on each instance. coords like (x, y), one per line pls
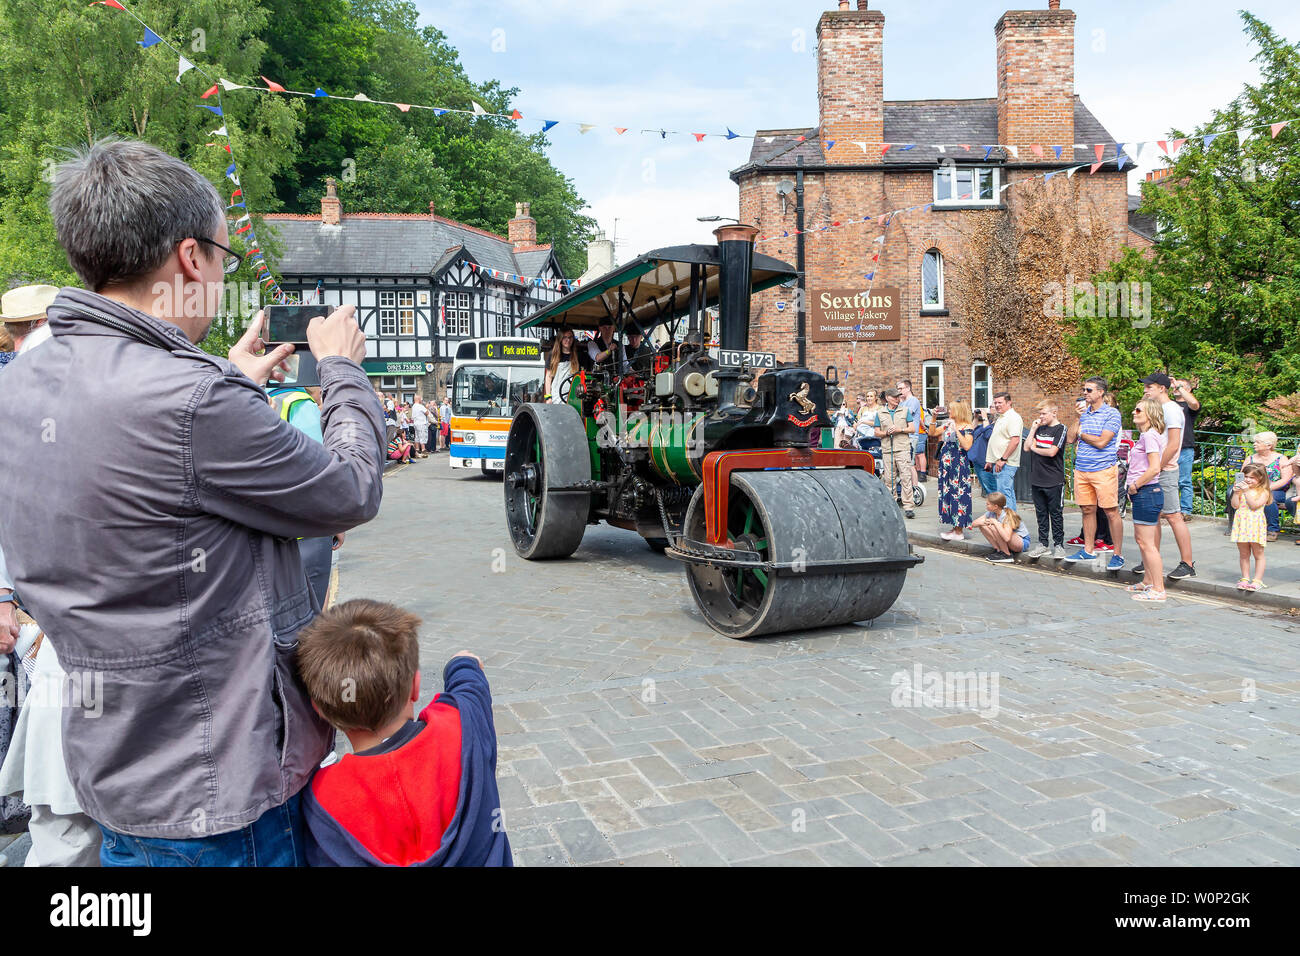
(244, 223)
(539, 282)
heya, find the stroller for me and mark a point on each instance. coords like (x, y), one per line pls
(1104, 542)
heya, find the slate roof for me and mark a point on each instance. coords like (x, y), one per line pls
(929, 121)
(1143, 225)
(391, 244)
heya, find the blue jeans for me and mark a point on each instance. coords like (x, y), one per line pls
(988, 480)
(273, 839)
(1272, 513)
(1185, 479)
(1006, 482)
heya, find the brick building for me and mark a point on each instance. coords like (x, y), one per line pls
(847, 173)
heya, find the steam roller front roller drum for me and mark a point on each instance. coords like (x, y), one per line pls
(546, 451)
(809, 515)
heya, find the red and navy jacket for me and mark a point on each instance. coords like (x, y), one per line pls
(427, 796)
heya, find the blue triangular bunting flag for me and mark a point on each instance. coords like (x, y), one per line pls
(230, 170)
(830, 143)
(548, 124)
(1058, 151)
(909, 146)
(871, 276)
(213, 109)
(1209, 140)
(730, 134)
(437, 111)
(320, 93)
(988, 151)
(150, 39)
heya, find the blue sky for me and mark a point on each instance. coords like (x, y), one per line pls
(1141, 66)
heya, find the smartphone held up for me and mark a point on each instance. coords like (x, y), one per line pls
(287, 324)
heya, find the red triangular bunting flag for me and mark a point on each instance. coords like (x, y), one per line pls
(1277, 128)
(876, 257)
(699, 137)
(1099, 149)
(800, 139)
(1095, 167)
(1164, 146)
(1038, 150)
(885, 148)
(272, 85)
(211, 91)
(966, 146)
(109, 3)
(1178, 144)
(404, 107)
(620, 130)
(516, 115)
(244, 229)
(237, 192)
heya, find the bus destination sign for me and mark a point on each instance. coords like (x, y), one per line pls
(503, 350)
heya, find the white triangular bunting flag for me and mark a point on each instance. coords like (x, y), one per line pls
(365, 99)
(228, 86)
(860, 145)
(1014, 151)
(1069, 174)
(768, 139)
(1243, 135)
(941, 149)
(219, 132)
(586, 127)
(182, 68)
(478, 110)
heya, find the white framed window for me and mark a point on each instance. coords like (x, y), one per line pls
(981, 385)
(386, 300)
(931, 384)
(966, 185)
(932, 280)
(387, 321)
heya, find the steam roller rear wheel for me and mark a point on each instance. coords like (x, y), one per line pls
(546, 451)
(788, 516)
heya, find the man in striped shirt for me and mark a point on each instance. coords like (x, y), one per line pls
(1096, 470)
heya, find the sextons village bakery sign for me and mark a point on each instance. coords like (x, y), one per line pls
(855, 315)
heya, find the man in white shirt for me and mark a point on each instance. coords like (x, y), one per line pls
(1157, 387)
(1004, 447)
(420, 418)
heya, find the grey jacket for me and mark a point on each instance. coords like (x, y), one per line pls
(149, 503)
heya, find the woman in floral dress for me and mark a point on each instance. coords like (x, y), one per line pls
(956, 435)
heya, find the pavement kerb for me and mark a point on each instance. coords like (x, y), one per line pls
(1225, 592)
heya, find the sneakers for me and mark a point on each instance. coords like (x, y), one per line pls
(1100, 545)
(1080, 555)
(1058, 553)
(1077, 539)
(1141, 568)
(953, 535)
(909, 513)
(1038, 552)
(997, 557)
(1184, 570)
(1243, 584)
(1116, 563)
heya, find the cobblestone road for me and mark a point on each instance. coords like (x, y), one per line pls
(632, 734)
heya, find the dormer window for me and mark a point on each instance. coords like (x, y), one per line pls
(966, 185)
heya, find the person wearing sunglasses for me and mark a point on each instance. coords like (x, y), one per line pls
(1096, 471)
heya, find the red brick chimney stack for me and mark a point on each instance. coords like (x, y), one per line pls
(851, 80)
(431, 209)
(331, 209)
(1035, 51)
(522, 230)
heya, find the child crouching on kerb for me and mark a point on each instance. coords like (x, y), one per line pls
(415, 791)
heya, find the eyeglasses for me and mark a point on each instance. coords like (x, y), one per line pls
(1089, 388)
(229, 264)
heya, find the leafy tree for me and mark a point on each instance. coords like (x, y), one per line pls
(95, 81)
(1225, 269)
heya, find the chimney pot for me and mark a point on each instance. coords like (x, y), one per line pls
(862, 4)
(522, 230)
(431, 208)
(331, 209)
(844, 4)
(1053, 4)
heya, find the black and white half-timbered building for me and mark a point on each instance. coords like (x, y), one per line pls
(421, 283)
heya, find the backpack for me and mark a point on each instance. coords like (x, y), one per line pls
(980, 446)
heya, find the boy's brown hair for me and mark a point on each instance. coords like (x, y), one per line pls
(358, 661)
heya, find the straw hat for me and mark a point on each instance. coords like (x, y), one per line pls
(26, 303)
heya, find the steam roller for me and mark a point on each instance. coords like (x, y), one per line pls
(710, 454)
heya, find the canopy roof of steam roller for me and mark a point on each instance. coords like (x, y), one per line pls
(654, 288)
